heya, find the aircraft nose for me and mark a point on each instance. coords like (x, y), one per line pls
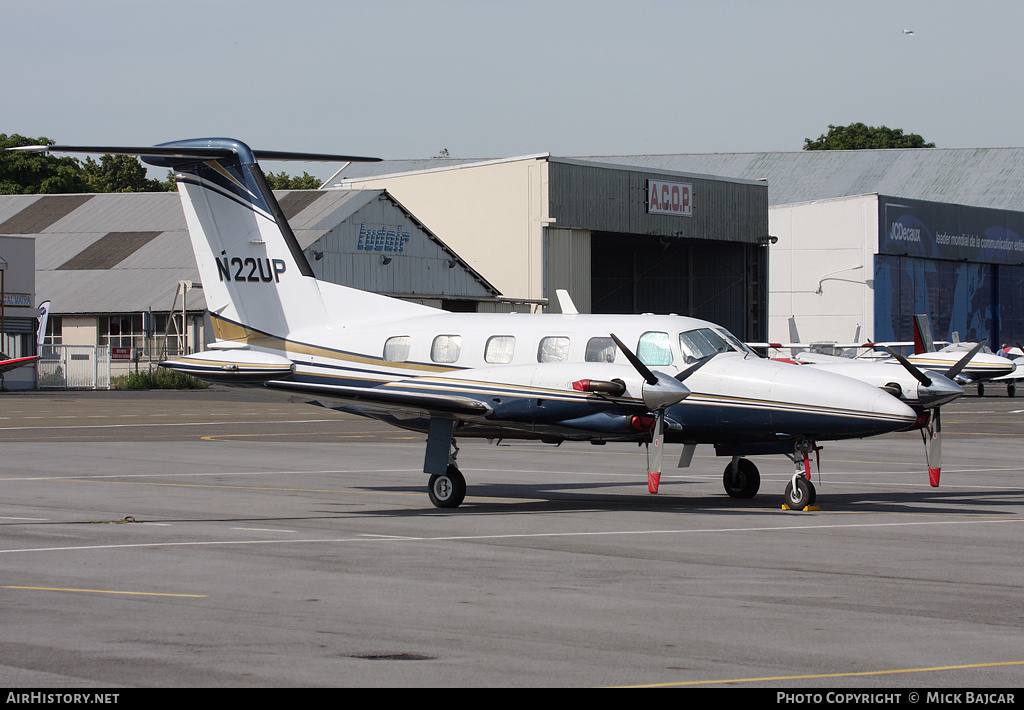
(889, 407)
(850, 407)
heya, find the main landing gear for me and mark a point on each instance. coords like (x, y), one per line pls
(448, 489)
(447, 485)
(741, 478)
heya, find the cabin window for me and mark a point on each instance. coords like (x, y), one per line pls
(653, 349)
(446, 348)
(553, 349)
(701, 343)
(396, 349)
(600, 350)
(500, 349)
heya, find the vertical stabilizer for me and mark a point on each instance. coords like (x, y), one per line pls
(254, 274)
(253, 271)
(923, 340)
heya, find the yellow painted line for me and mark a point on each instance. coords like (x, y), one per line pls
(860, 674)
(105, 591)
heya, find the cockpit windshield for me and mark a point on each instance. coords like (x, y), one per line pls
(704, 342)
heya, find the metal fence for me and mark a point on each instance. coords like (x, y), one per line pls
(74, 367)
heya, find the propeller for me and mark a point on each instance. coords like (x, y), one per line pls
(659, 393)
(910, 367)
(962, 363)
(938, 390)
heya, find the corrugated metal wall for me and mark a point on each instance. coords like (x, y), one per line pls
(567, 266)
(380, 248)
(607, 199)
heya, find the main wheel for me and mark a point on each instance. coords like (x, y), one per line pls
(745, 482)
(448, 489)
(1011, 389)
(981, 389)
(801, 495)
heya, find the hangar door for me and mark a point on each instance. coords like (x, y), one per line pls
(723, 282)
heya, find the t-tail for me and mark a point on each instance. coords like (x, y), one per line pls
(256, 279)
(253, 271)
(924, 342)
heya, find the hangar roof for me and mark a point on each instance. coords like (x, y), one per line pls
(126, 252)
(984, 177)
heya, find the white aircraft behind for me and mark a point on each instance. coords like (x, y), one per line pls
(552, 377)
(1016, 356)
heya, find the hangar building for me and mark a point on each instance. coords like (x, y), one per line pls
(103, 260)
(867, 238)
(618, 238)
(18, 308)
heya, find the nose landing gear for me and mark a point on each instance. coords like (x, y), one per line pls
(800, 493)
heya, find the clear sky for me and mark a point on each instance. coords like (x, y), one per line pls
(408, 78)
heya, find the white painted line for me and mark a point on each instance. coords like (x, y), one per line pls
(517, 536)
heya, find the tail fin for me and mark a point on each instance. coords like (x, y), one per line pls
(923, 340)
(253, 271)
(254, 274)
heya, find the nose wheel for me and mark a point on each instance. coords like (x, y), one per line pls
(799, 493)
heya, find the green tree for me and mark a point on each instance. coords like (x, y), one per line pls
(284, 181)
(24, 173)
(857, 136)
(119, 173)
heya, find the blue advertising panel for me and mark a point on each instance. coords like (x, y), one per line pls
(963, 266)
(957, 296)
(936, 230)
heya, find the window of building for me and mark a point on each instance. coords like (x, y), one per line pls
(53, 334)
(500, 349)
(123, 331)
(396, 349)
(554, 348)
(446, 348)
(600, 350)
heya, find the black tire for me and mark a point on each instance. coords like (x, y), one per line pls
(981, 389)
(1011, 390)
(800, 496)
(447, 490)
(745, 483)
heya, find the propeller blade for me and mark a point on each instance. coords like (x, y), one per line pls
(694, 367)
(958, 368)
(644, 371)
(933, 449)
(910, 367)
(655, 453)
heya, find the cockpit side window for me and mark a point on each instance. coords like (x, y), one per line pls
(701, 343)
(654, 349)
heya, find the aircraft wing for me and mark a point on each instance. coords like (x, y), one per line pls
(390, 398)
(13, 363)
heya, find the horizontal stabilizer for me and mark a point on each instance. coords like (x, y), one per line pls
(232, 366)
(188, 151)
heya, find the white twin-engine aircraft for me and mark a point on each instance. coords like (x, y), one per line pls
(554, 377)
